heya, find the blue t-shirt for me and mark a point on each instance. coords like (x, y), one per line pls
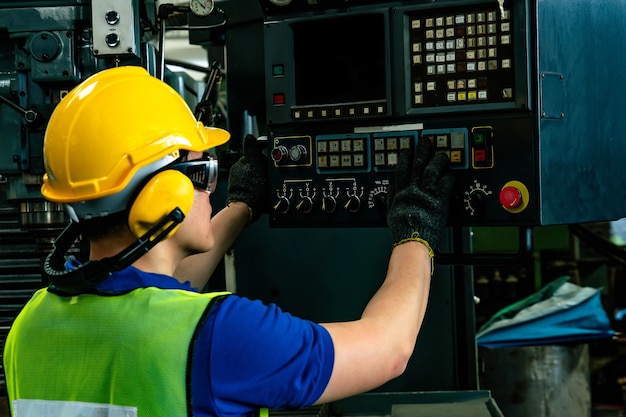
(247, 354)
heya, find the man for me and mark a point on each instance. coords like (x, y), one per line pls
(119, 334)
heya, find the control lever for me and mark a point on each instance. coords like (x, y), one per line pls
(204, 108)
(30, 116)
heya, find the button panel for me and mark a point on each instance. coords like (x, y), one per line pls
(340, 111)
(461, 58)
(342, 153)
(291, 151)
(388, 146)
(349, 175)
(361, 152)
(453, 142)
(482, 147)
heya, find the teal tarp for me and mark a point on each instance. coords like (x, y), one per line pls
(558, 313)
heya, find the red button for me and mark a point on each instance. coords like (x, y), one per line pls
(480, 155)
(279, 153)
(510, 197)
(279, 99)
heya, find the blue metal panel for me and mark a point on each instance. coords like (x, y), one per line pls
(580, 51)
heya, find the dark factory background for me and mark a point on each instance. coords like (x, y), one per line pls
(526, 103)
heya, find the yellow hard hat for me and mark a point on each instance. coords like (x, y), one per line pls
(110, 126)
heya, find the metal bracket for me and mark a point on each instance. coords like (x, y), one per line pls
(552, 95)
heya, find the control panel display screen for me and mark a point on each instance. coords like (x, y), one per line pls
(340, 60)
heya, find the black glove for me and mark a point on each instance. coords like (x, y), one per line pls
(247, 180)
(418, 201)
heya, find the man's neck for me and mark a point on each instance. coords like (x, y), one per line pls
(161, 259)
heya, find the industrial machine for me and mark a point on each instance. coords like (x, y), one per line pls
(511, 90)
(519, 102)
(46, 48)
(523, 95)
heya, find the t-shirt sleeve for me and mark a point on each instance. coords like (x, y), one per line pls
(263, 356)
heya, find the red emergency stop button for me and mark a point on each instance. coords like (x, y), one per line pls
(510, 197)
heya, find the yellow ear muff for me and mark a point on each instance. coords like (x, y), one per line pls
(162, 194)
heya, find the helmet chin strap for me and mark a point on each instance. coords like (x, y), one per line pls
(87, 276)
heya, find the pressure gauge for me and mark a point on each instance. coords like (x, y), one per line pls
(201, 7)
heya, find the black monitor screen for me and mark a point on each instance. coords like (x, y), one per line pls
(340, 60)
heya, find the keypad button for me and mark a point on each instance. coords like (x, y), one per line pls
(446, 50)
(405, 142)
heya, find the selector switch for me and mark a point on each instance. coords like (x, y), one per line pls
(282, 206)
(475, 198)
(353, 204)
(329, 204)
(305, 205)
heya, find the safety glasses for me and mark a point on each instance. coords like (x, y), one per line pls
(201, 172)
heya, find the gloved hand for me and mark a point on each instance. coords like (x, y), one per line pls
(418, 201)
(247, 180)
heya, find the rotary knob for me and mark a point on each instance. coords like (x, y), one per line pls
(379, 201)
(305, 205)
(475, 202)
(475, 198)
(329, 204)
(282, 206)
(353, 204)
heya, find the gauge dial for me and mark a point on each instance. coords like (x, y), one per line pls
(201, 7)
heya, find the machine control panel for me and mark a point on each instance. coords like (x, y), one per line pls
(332, 181)
(339, 116)
(342, 179)
(115, 27)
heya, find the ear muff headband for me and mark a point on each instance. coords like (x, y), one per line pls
(86, 277)
(162, 193)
